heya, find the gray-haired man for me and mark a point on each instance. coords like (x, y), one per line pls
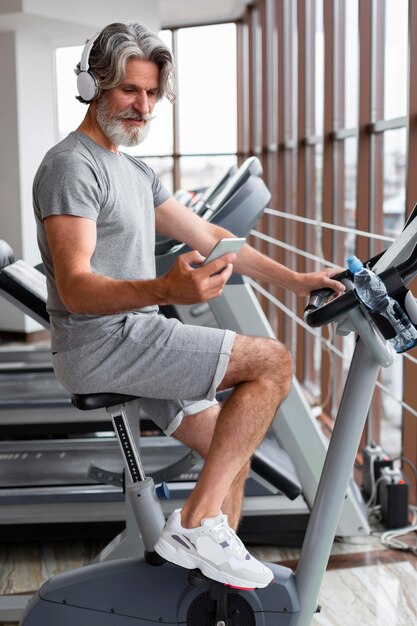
(97, 210)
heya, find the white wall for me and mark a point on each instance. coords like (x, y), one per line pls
(36, 122)
(9, 150)
(10, 218)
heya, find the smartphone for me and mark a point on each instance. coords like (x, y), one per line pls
(223, 246)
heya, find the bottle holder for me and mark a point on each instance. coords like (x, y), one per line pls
(404, 298)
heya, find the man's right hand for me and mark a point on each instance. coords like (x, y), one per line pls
(72, 242)
(185, 283)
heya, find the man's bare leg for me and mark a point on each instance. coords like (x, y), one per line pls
(196, 431)
(233, 502)
(260, 370)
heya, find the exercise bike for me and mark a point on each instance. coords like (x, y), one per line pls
(143, 591)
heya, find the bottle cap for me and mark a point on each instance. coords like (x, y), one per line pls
(354, 264)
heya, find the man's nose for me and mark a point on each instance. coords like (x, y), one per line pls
(141, 103)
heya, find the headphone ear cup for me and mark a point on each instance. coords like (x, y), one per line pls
(87, 86)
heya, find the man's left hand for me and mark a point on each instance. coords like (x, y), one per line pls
(307, 283)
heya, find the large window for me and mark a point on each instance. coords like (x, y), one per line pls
(194, 141)
(207, 115)
(70, 112)
(347, 136)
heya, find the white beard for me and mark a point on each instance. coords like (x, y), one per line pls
(115, 129)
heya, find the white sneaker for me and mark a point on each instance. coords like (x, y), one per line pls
(215, 549)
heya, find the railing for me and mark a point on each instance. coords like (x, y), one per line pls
(328, 343)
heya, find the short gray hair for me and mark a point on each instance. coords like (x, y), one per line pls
(116, 44)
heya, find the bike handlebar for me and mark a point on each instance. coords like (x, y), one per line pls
(318, 313)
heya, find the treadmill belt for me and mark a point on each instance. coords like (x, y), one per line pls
(30, 389)
(66, 462)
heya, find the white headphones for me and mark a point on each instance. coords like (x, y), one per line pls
(87, 84)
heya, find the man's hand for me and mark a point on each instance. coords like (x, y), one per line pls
(306, 283)
(185, 283)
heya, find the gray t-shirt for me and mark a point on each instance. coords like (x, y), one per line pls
(120, 193)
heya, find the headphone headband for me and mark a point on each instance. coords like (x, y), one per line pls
(84, 63)
(87, 83)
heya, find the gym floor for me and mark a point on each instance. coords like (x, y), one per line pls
(365, 583)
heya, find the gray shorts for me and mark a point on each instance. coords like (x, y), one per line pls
(175, 368)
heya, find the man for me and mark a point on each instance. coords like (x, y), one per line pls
(97, 211)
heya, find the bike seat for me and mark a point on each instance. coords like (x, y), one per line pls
(90, 401)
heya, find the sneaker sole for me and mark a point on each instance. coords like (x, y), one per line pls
(190, 561)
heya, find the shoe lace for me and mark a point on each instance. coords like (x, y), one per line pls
(225, 533)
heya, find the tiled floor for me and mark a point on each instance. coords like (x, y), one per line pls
(365, 584)
(371, 596)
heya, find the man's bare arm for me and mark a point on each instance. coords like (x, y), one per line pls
(72, 242)
(176, 221)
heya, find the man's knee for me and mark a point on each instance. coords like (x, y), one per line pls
(259, 358)
(278, 366)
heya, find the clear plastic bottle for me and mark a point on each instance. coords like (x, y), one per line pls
(373, 294)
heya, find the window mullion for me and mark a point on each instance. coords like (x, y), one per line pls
(409, 421)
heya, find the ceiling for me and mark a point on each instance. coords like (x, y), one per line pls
(186, 12)
(64, 23)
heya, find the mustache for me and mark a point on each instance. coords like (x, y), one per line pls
(133, 115)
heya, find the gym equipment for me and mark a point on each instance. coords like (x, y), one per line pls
(63, 480)
(290, 468)
(289, 461)
(136, 591)
(298, 445)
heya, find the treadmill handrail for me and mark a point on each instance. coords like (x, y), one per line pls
(25, 287)
(211, 191)
(251, 167)
(7, 255)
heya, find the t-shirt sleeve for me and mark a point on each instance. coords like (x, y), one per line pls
(67, 185)
(160, 192)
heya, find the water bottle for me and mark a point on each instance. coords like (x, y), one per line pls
(373, 294)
